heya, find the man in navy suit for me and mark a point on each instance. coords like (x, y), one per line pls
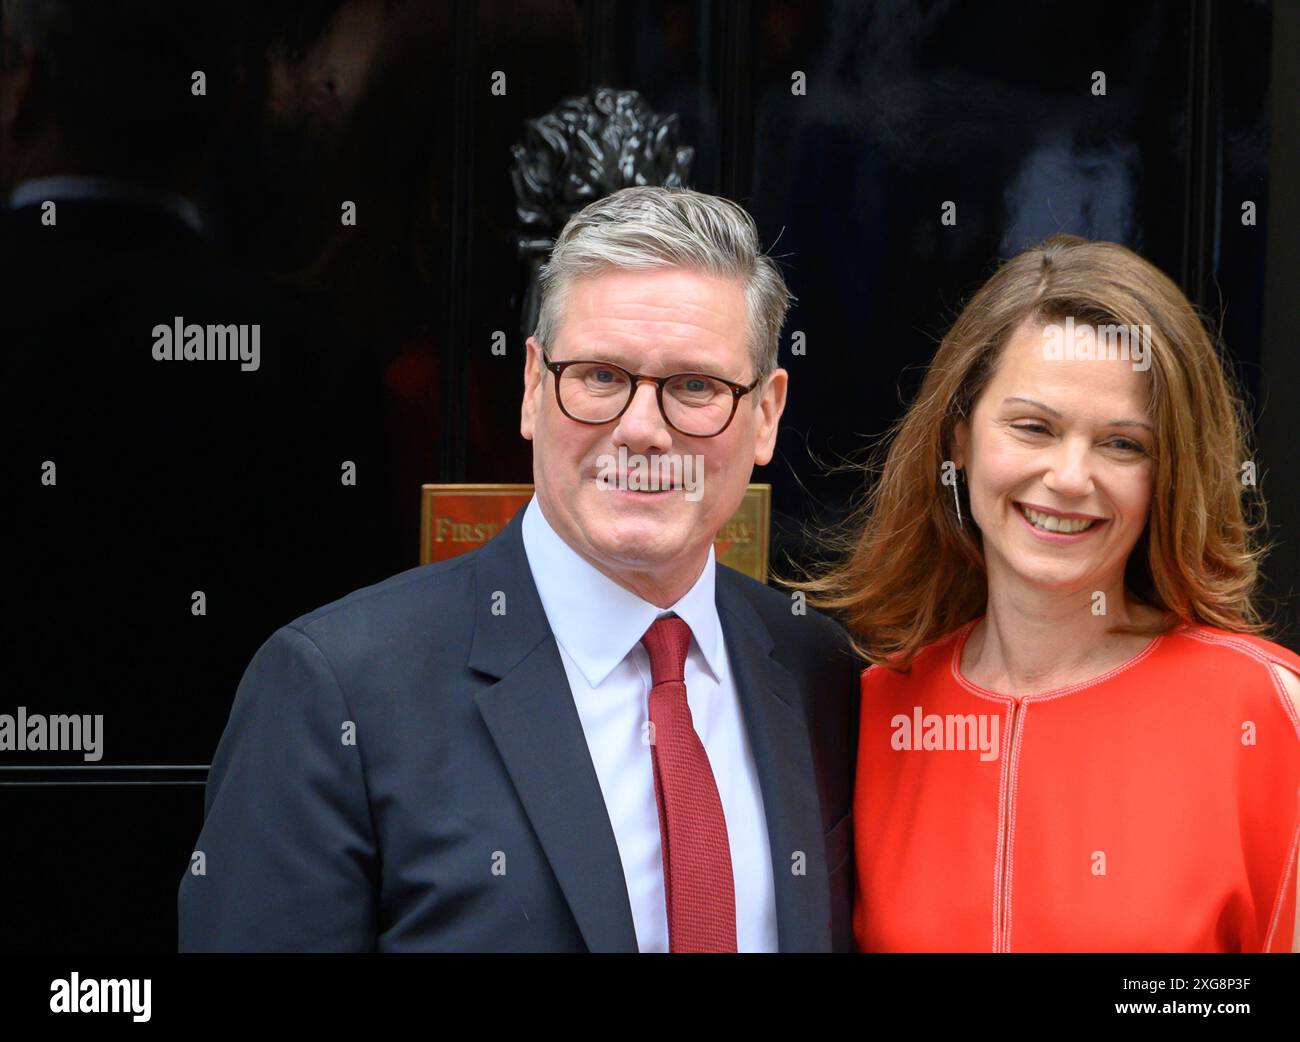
(586, 735)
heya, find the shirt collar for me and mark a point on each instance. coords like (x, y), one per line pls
(597, 621)
(93, 187)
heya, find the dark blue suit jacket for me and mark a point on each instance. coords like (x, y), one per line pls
(467, 815)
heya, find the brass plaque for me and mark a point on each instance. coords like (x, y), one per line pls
(457, 518)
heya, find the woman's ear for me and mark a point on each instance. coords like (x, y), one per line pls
(960, 443)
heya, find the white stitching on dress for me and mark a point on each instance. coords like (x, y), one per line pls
(1279, 902)
(1259, 655)
(1011, 839)
(975, 689)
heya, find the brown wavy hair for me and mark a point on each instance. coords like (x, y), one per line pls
(909, 574)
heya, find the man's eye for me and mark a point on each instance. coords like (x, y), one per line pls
(605, 378)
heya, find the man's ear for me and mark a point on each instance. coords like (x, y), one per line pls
(532, 388)
(771, 404)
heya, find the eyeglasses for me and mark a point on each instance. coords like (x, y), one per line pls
(694, 404)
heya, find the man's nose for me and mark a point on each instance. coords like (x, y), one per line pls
(642, 425)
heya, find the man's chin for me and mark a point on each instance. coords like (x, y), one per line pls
(620, 512)
(640, 542)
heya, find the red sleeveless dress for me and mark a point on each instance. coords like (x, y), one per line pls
(1153, 808)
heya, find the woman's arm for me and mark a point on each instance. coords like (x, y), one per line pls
(1291, 683)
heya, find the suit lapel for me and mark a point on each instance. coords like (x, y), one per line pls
(779, 738)
(534, 723)
(532, 719)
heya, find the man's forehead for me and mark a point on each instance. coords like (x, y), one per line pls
(668, 291)
(688, 349)
(669, 319)
(676, 306)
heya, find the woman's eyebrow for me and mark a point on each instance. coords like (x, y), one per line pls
(1030, 401)
(1052, 412)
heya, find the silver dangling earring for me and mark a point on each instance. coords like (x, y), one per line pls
(957, 499)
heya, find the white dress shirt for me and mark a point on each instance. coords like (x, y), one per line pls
(598, 626)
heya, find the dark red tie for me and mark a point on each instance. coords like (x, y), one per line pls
(698, 885)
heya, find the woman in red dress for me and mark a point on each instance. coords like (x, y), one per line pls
(1073, 734)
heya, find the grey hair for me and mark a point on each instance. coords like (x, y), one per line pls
(646, 227)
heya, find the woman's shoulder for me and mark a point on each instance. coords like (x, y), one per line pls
(1229, 646)
(1246, 654)
(1239, 645)
(931, 660)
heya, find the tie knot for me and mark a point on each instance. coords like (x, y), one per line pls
(667, 640)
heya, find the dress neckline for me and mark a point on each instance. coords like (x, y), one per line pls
(1039, 696)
